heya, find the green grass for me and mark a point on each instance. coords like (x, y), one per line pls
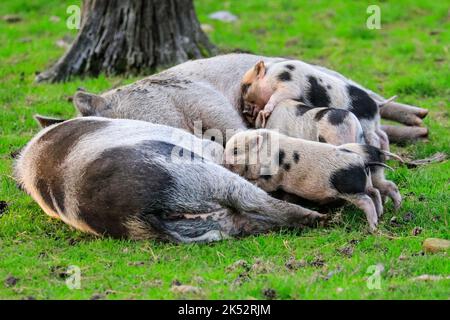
(408, 57)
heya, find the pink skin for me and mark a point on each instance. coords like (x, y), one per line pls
(268, 95)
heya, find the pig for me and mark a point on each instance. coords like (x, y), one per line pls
(315, 171)
(265, 85)
(329, 125)
(136, 180)
(337, 127)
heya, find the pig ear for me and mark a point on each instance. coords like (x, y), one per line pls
(260, 69)
(88, 104)
(46, 121)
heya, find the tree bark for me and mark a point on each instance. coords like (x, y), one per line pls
(131, 37)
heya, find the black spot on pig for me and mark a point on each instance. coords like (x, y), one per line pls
(296, 157)
(317, 94)
(322, 139)
(321, 113)
(362, 105)
(351, 180)
(281, 157)
(328, 87)
(285, 76)
(290, 67)
(337, 116)
(266, 176)
(287, 166)
(301, 109)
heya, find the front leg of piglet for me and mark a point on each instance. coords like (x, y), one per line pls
(277, 97)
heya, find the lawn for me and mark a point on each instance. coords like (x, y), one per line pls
(408, 56)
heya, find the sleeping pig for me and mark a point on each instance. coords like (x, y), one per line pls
(137, 180)
(264, 86)
(315, 171)
(330, 125)
(337, 127)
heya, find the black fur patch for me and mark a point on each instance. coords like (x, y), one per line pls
(363, 106)
(328, 87)
(321, 113)
(351, 180)
(337, 116)
(322, 139)
(59, 143)
(266, 176)
(301, 109)
(287, 166)
(296, 157)
(317, 94)
(290, 67)
(285, 76)
(300, 99)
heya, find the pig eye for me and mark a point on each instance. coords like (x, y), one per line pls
(235, 151)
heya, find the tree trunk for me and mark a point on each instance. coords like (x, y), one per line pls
(131, 37)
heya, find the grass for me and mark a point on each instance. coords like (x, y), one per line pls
(408, 56)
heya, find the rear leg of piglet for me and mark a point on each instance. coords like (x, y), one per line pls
(366, 204)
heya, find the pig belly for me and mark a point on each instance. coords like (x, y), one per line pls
(312, 190)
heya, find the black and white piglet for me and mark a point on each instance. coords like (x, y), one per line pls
(137, 180)
(264, 86)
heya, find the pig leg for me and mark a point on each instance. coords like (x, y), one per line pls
(365, 203)
(370, 133)
(375, 195)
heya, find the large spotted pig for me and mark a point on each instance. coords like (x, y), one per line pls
(265, 86)
(295, 119)
(315, 171)
(137, 180)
